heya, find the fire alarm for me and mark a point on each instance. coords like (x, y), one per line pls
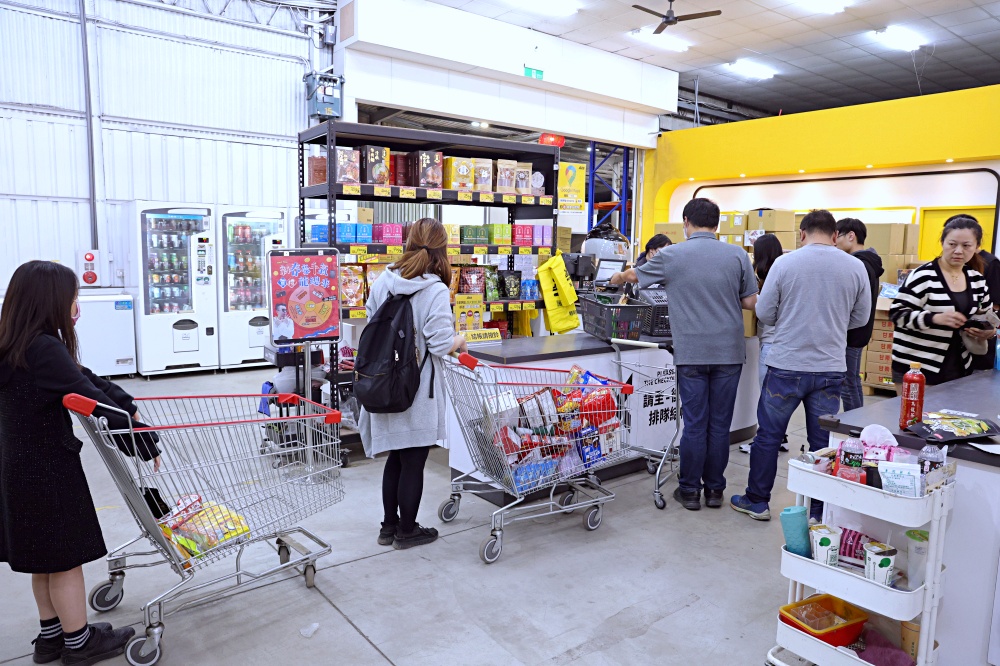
(90, 268)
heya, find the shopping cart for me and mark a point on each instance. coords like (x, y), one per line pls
(235, 470)
(530, 430)
(655, 384)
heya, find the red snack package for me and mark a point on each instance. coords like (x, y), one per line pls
(507, 440)
(599, 405)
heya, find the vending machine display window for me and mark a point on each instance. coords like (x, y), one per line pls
(244, 254)
(167, 273)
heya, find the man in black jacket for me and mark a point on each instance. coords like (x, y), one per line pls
(851, 236)
(991, 272)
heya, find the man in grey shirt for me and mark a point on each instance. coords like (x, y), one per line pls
(811, 297)
(707, 284)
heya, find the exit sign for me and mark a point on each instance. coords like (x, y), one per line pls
(533, 73)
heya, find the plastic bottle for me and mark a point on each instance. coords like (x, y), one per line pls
(852, 453)
(911, 407)
(930, 458)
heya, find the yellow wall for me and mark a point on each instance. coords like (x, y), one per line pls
(959, 125)
(932, 223)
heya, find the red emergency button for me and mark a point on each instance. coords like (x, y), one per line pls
(90, 277)
(89, 256)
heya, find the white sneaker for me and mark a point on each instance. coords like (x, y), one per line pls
(745, 448)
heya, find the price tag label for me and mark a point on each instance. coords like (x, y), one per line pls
(394, 249)
(407, 193)
(382, 191)
(510, 198)
(514, 307)
(544, 251)
(544, 201)
(505, 249)
(352, 189)
(486, 197)
(496, 307)
(524, 249)
(528, 305)
(483, 335)
(359, 249)
(433, 194)
(368, 259)
(465, 196)
(528, 200)
(357, 313)
(454, 251)
(479, 249)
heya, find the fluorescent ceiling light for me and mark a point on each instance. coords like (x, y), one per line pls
(663, 40)
(548, 7)
(898, 37)
(823, 6)
(750, 69)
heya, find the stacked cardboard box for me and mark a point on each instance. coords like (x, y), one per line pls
(772, 220)
(876, 361)
(732, 224)
(564, 239)
(673, 230)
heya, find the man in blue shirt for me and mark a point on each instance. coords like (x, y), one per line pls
(707, 283)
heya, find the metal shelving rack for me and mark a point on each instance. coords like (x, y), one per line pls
(915, 512)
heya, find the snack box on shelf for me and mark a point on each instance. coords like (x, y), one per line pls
(523, 234)
(426, 168)
(454, 233)
(347, 232)
(390, 234)
(499, 234)
(375, 165)
(363, 233)
(854, 587)
(458, 173)
(473, 234)
(348, 162)
(804, 479)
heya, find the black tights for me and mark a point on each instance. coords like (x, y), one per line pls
(402, 486)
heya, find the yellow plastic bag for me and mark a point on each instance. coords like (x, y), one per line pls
(555, 283)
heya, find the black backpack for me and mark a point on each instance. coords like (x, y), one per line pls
(388, 367)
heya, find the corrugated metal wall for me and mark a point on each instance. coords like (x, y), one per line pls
(193, 109)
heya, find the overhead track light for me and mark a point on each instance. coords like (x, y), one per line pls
(750, 69)
(898, 37)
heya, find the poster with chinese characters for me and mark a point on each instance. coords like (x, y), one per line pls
(654, 417)
(304, 296)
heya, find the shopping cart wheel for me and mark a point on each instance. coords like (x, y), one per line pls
(659, 502)
(345, 458)
(566, 499)
(651, 466)
(310, 575)
(489, 551)
(133, 652)
(284, 552)
(448, 510)
(100, 600)
(593, 518)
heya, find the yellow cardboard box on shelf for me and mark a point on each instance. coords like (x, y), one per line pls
(366, 215)
(732, 223)
(771, 220)
(911, 239)
(673, 230)
(887, 239)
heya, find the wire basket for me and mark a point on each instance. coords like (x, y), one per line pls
(609, 320)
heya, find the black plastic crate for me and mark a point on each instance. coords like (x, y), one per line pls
(609, 320)
(656, 320)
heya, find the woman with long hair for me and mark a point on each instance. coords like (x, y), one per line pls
(766, 250)
(48, 524)
(935, 305)
(423, 273)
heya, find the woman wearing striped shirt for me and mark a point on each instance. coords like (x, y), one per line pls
(935, 303)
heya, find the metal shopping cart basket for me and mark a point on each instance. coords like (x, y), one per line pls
(235, 470)
(530, 430)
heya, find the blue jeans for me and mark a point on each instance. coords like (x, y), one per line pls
(761, 366)
(708, 397)
(851, 392)
(781, 395)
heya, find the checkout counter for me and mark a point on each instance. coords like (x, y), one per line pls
(968, 624)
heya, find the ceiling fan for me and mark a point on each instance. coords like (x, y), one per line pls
(669, 19)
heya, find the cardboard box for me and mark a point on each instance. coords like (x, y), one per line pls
(880, 347)
(347, 232)
(788, 239)
(880, 312)
(499, 234)
(732, 223)
(458, 173)
(524, 234)
(879, 368)
(877, 378)
(883, 325)
(673, 230)
(771, 220)
(886, 239)
(375, 165)
(348, 161)
(425, 169)
(366, 215)
(881, 335)
(911, 239)
(749, 324)
(474, 234)
(882, 358)
(563, 238)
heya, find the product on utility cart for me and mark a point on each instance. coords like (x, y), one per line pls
(483, 180)
(352, 286)
(911, 406)
(522, 178)
(348, 165)
(426, 168)
(506, 172)
(375, 165)
(458, 173)
(827, 618)
(945, 427)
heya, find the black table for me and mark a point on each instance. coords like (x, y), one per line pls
(976, 394)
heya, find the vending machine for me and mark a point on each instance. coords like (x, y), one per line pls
(244, 238)
(174, 266)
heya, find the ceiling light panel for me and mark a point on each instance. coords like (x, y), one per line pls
(823, 6)
(900, 38)
(546, 7)
(661, 41)
(749, 69)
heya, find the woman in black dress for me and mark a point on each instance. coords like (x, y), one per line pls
(48, 524)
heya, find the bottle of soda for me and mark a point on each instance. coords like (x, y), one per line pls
(930, 458)
(911, 407)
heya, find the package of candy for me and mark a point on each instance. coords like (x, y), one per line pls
(352, 286)
(576, 374)
(531, 413)
(547, 407)
(492, 283)
(507, 440)
(206, 529)
(599, 405)
(473, 280)
(589, 443)
(456, 278)
(510, 284)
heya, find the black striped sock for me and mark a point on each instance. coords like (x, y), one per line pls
(51, 628)
(77, 639)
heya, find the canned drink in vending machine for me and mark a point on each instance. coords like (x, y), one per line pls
(155, 292)
(156, 278)
(174, 308)
(154, 308)
(153, 240)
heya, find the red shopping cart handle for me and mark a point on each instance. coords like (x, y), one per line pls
(79, 404)
(468, 360)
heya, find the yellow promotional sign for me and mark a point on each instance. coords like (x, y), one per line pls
(572, 186)
(483, 335)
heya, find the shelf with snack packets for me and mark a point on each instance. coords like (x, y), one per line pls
(399, 194)
(390, 250)
(491, 306)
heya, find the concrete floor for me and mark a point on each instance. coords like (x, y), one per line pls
(671, 586)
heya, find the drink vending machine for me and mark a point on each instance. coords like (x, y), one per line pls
(245, 238)
(175, 268)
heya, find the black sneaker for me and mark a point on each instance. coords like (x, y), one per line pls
(50, 649)
(386, 535)
(418, 537)
(104, 643)
(689, 499)
(713, 498)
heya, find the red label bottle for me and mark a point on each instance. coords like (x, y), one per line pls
(911, 408)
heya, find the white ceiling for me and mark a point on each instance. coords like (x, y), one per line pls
(822, 60)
